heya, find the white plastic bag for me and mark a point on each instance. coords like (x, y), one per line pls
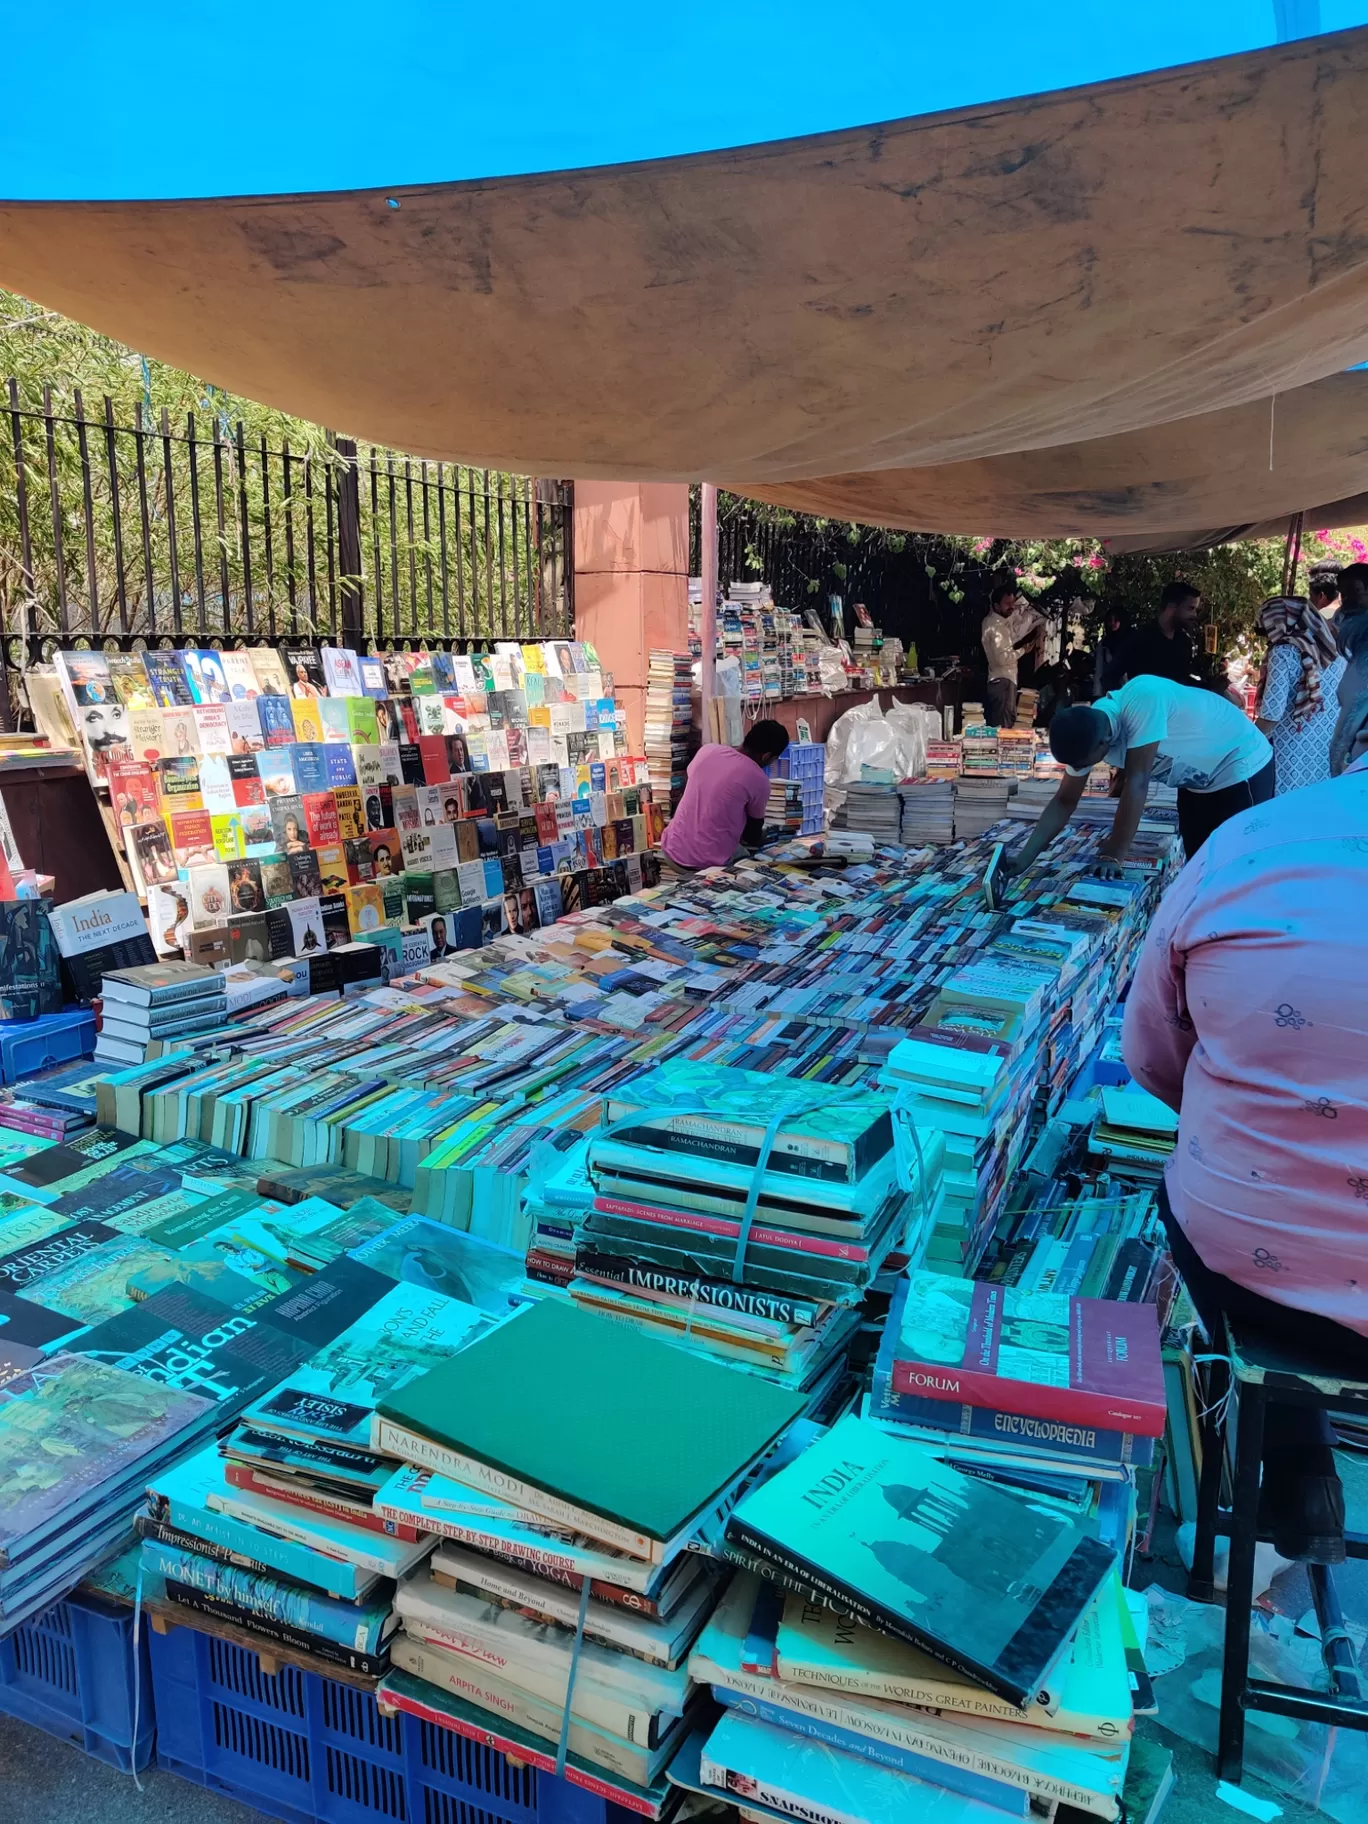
(838, 741)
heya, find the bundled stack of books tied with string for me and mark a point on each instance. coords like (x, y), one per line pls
(744, 1216)
(279, 1528)
(915, 1637)
(578, 1475)
(669, 685)
(978, 747)
(942, 757)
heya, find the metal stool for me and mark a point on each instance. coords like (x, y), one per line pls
(1264, 1371)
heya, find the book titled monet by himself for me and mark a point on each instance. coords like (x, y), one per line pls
(888, 1532)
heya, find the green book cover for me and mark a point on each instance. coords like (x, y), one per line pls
(884, 1529)
(598, 1415)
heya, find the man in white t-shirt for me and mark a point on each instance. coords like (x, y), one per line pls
(1153, 728)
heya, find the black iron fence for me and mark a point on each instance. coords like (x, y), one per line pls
(158, 532)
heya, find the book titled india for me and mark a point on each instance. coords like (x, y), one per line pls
(1076, 1362)
(890, 1533)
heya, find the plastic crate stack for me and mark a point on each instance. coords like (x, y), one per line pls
(805, 762)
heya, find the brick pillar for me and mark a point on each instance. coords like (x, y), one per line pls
(632, 581)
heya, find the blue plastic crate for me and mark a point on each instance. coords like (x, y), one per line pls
(71, 1673)
(311, 1750)
(28, 1046)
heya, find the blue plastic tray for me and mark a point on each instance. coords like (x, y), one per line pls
(70, 1672)
(311, 1750)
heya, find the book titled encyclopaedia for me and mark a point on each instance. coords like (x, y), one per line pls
(888, 1532)
(1074, 1362)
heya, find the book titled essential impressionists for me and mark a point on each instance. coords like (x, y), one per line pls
(887, 1531)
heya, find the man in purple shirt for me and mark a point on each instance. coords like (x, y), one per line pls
(724, 800)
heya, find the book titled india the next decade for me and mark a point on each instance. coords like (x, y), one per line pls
(887, 1531)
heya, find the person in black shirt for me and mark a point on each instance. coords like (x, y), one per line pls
(1167, 648)
(1109, 658)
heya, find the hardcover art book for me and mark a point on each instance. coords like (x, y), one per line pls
(986, 1582)
(1075, 1361)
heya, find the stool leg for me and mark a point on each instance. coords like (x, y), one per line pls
(1202, 1580)
(1244, 1539)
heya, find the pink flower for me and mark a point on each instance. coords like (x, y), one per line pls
(982, 544)
(1094, 562)
(1359, 549)
(1322, 536)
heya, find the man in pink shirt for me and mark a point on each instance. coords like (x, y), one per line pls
(724, 800)
(1249, 1014)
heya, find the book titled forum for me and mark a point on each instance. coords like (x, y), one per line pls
(887, 1531)
(990, 1351)
(590, 1424)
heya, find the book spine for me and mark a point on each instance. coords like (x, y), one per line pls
(746, 1788)
(389, 1439)
(302, 1533)
(518, 1749)
(456, 1653)
(611, 1630)
(811, 1581)
(266, 1597)
(721, 1294)
(939, 1767)
(545, 1561)
(240, 1475)
(1066, 1406)
(1003, 1428)
(799, 1157)
(277, 1556)
(695, 1220)
(299, 1640)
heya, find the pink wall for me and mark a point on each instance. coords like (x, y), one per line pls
(632, 580)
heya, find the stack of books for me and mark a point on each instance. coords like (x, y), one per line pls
(288, 1498)
(942, 757)
(558, 1529)
(845, 1697)
(149, 1008)
(78, 1438)
(1018, 1378)
(1135, 1132)
(687, 1236)
(875, 809)
(669, 685)
(657, 1245)
(980, 802)
(1027, 703)
(928, 812)
(978, 747)
(784, 810)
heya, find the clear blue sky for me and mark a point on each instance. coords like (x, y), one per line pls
(222, 97)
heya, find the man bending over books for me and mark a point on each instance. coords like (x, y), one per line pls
(723, 807)
(1249, 1015)
(1153, 728)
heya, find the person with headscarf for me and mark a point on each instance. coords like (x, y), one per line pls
(1298, 707)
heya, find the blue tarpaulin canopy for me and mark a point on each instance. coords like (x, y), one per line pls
(620, 244)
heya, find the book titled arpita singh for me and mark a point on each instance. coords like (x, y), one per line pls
(887, 1531)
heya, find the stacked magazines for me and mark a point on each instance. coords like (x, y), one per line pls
(910, 1641)
(276, 1529)
(682, 1242)
(578, 1472)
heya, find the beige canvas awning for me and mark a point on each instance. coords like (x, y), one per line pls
(944, 290)
(1230, 470)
